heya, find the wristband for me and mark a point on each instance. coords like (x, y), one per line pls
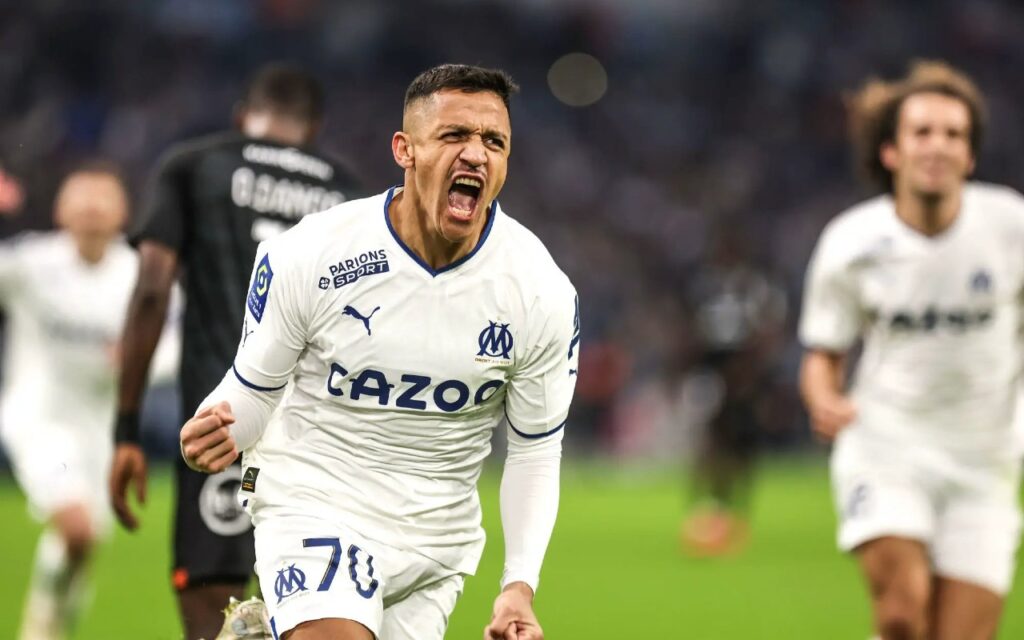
(127, 428)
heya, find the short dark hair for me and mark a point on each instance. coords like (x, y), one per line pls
(875, 111)
(462, 77)
(286, 89)
(96, 165)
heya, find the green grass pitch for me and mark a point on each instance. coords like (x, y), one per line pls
(613, 570)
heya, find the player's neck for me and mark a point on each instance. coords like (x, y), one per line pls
(926, 215)
(411, 221)
(91, 251)
(283, 132)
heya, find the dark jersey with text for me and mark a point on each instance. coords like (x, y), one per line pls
(213, 200)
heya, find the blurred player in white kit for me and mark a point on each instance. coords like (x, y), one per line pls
(408, 324)
(926, 465)
(65, 294)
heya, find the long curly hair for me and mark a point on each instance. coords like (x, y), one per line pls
(874, 110)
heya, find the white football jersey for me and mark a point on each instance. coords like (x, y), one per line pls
(939, 317)
(402, 373)
(64, 319)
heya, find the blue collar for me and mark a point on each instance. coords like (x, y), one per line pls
(491, 214)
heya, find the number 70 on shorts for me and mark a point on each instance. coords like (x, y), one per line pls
(291, 579)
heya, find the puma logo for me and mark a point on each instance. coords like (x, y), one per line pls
(352, 311)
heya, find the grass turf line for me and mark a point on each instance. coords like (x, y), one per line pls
(613, 570)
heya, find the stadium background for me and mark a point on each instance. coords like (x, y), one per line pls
(688, 118)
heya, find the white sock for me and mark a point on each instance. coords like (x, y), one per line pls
(55, 594)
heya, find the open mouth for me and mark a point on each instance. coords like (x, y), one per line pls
(464, 195)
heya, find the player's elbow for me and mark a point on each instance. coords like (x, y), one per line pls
(151, 296)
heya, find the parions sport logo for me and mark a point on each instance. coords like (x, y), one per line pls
(349, 270)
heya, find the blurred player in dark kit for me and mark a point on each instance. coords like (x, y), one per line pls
(737, 313)
(208, 205)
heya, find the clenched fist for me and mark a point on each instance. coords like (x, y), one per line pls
(513, 617)
(206, 442)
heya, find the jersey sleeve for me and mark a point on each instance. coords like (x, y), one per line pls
(541, 389)
(831, 315)
(164, 212)
(275, 327)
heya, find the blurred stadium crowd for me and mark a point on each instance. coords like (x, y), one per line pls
(722, 125)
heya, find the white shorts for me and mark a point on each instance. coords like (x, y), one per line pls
(312, 568)
(59, 466)
(964, 509)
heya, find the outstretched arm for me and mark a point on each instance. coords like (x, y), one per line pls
(537, 405)
(529, 506)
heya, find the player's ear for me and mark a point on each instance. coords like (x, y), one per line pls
(888, 156)
(313, 128)
(402, 149)
(238, 115)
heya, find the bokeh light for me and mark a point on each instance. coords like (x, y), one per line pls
(578, 79)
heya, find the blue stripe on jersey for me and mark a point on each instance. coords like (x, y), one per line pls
(448, 267)
(255, 387)
(273, 628)
(533, 436)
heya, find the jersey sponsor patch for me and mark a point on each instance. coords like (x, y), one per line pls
(349, 270)
(249, 479)
(257, 300)
(932, 319)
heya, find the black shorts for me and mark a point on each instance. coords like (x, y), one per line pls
(213, 541)
(735, 430)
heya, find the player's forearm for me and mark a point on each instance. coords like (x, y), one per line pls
(822, 374)
(251, 408)
(529, 506)
(142, 330)
(144, 323)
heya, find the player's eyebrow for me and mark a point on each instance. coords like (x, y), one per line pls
(454, 128)
(494, 133)
(462, 129)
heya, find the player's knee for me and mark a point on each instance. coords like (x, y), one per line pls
(900, 627)
(79, 542)
(77, 531)
(901, 614)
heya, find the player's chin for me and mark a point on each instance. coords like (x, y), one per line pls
(939, 184)
(460, 223)
(458, 215)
